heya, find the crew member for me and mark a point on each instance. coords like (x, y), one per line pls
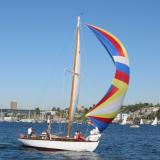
(30, 132)
(49, 129)
(79, 136)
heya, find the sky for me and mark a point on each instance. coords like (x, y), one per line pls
(37, 41)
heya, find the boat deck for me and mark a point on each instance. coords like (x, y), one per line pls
(53, 138)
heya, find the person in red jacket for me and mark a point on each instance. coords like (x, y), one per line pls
(80, 136)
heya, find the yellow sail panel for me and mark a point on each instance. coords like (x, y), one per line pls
(109, 115)
(122, 87)
(109, 108)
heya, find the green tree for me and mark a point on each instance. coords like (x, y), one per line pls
(37, 110)
(53, 108)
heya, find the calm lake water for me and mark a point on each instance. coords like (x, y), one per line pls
(117, 143)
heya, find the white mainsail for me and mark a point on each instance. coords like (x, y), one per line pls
(155, 122)
(75, 79)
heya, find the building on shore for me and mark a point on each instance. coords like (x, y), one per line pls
(13, 105)
(81, 109)
(121, 116)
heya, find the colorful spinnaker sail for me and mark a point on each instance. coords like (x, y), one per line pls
(107, 108)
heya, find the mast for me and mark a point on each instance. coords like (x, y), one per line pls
(75, 79)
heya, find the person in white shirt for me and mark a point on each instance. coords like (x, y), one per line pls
(30, 131)
(49, 129)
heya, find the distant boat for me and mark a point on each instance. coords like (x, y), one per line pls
(124, 122)
(134, 126)
(102, 114)
(28, 120)
(155, 122)
(141, 122)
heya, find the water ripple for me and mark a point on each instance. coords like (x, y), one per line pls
(117, 143)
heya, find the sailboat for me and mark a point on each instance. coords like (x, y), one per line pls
(102, 114)
(136, 125)
(28, 119)
(124, 122)
(155, 122)
(141, 122)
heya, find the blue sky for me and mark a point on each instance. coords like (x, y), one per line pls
(37, 42)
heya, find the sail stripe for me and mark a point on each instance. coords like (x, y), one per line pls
(121, 91)
(101, 125)
(112, 40)
(108, 115)
(106, 43)
(112, 91)
(107, 108)
(113, 100)
(122, 76)
(122, 67)
(106, 120)
(120, 84)
(122, 60)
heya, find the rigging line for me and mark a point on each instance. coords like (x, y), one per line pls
(65, 127)
(77, 126)
(59, 126)
(83, 50)
(87, 128)
(65, 123)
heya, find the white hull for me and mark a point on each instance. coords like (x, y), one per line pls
(154, 124)
(60, 145)
(134, 126)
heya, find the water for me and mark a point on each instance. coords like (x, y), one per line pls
(117, 143)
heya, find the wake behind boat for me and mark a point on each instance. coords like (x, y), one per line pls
(102, 114)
